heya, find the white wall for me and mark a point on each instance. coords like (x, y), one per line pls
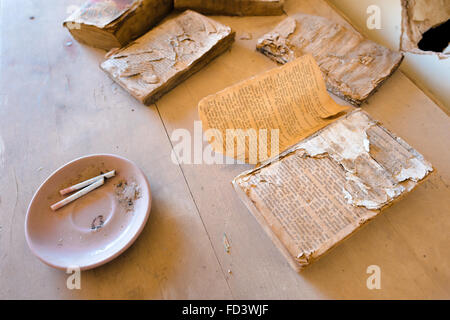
(428, 71)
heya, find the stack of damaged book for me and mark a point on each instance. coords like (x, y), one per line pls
(150, 62)
(338, 168)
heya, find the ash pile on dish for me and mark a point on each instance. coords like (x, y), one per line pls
(127, 192)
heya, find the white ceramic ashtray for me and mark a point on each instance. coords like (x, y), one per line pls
(96, 227)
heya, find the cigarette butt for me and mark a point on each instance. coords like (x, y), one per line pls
(83, 184)
(77, 195)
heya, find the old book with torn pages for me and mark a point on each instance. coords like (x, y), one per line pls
(158, 61)
(233, 7)
(326, 187)
(353, 67)
(335, 172)
(108, 24)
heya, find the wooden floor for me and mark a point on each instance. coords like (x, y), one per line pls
(56, 105)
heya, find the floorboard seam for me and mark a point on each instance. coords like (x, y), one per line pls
(195, 204)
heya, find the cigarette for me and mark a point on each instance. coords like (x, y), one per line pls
(83, 184)
(77, 195)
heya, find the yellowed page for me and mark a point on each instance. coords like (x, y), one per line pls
(277, 108)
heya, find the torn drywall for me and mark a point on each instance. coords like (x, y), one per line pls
(420, 17)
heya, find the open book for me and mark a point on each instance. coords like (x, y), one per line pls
(326, 185)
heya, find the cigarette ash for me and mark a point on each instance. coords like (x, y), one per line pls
(127, 192)
(97, 223)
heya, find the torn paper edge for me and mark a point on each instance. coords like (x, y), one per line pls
(406, 43)
(120, 15)
(315, 146)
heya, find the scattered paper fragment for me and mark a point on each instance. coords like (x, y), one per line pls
(226, 243)
(246, 36)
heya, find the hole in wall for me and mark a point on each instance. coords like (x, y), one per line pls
(436, 39)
